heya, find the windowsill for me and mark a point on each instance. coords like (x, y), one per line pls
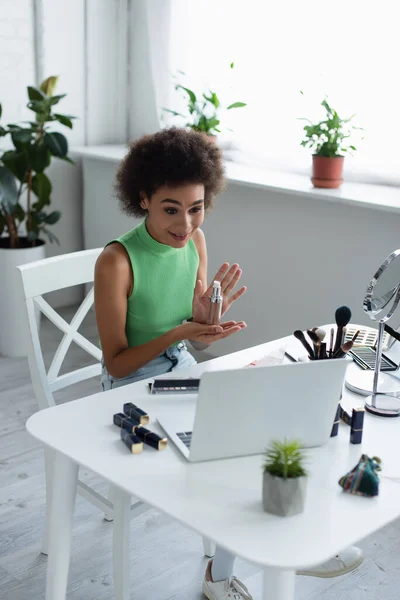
(378, 197)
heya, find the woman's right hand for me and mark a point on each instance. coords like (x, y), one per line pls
(207, 334)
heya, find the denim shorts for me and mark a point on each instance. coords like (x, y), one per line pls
(175, 357)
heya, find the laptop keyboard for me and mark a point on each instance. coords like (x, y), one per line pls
(185, 437)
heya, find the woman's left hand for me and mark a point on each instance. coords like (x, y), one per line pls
(229, 277)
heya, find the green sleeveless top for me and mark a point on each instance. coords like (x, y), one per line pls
(164, 279)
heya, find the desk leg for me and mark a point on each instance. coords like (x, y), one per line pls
(122, 521)
(48, 463)
(65, 476)
(278, 584)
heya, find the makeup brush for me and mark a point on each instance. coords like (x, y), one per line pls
(357, 333)
(321, 333)
(331, 342)
(322, 352)
(300, 336)
(315, 340)
(395, 334)
(342, 318)
(347, 346)
(344, 332)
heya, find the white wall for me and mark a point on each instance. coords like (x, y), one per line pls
(16, 57)
(302, 257)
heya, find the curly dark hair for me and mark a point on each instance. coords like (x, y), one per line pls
(173, 156)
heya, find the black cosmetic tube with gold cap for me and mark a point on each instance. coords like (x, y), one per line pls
(121, 420)
(357, 425)
(133, 411)
(150, 438)
(132, 441)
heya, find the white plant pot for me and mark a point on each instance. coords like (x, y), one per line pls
(283, 497)
(13, 319)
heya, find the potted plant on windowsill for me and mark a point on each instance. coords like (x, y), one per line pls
(204, 110)
(330, 141)
(25, 198)
(284, 478)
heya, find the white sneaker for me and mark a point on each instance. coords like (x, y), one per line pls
(345, 562)
(228, 589)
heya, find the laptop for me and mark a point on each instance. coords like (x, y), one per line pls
(238, 412)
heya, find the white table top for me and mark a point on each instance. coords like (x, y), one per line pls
(222, 499)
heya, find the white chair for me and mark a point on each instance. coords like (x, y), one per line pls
(39, 278)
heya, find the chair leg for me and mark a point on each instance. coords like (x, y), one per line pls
(209, 547)
(109, 514)
(122, 515)
(49, 463)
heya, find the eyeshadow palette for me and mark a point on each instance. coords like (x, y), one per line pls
(175, 386)
(365, 357)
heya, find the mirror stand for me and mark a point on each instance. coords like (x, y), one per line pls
(380, 302)
(380, 403)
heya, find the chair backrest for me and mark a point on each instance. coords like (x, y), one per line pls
(45, 276)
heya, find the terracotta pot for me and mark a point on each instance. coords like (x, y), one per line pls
(327, 171)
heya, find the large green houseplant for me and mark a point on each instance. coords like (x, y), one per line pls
(25, 198)
(329, 140)
(204, 110)
(25, 189)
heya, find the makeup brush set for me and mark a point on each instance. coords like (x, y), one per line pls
(133, 432)
(319, 348)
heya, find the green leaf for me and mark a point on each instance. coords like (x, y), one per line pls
(21, 137)
(56, 99)
(53, 217)
(191, 94)
(173, 112)
(51, 236)
(39, 107)
(41, 187)
(353, 148)
(32, 236)
(56, 143)
(17, 163)
(39, 157)
(232, 65)
(8, 190)
(19, 213)
(65, 120)
(35, 94)
(48, 85)
(236, 105)
(3, 131)
(68, 160)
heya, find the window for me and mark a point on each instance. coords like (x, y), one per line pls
(347, 50)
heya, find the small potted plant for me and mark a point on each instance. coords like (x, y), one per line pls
(284, 478)
(329, 140)
(25, 198)
(204, 110)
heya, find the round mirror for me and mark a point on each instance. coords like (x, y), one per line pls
(381, 300)
(383, 292)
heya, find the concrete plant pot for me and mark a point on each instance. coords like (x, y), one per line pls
(283, 497)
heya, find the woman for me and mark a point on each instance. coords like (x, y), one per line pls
(151, 289)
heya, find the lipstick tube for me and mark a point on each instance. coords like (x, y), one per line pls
(150, 438)
(132, 442)
(121, 420)
(215, 309)
(335, 427)
(357, 425)
(133, 411)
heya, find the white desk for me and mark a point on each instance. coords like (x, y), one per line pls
(221, 499)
